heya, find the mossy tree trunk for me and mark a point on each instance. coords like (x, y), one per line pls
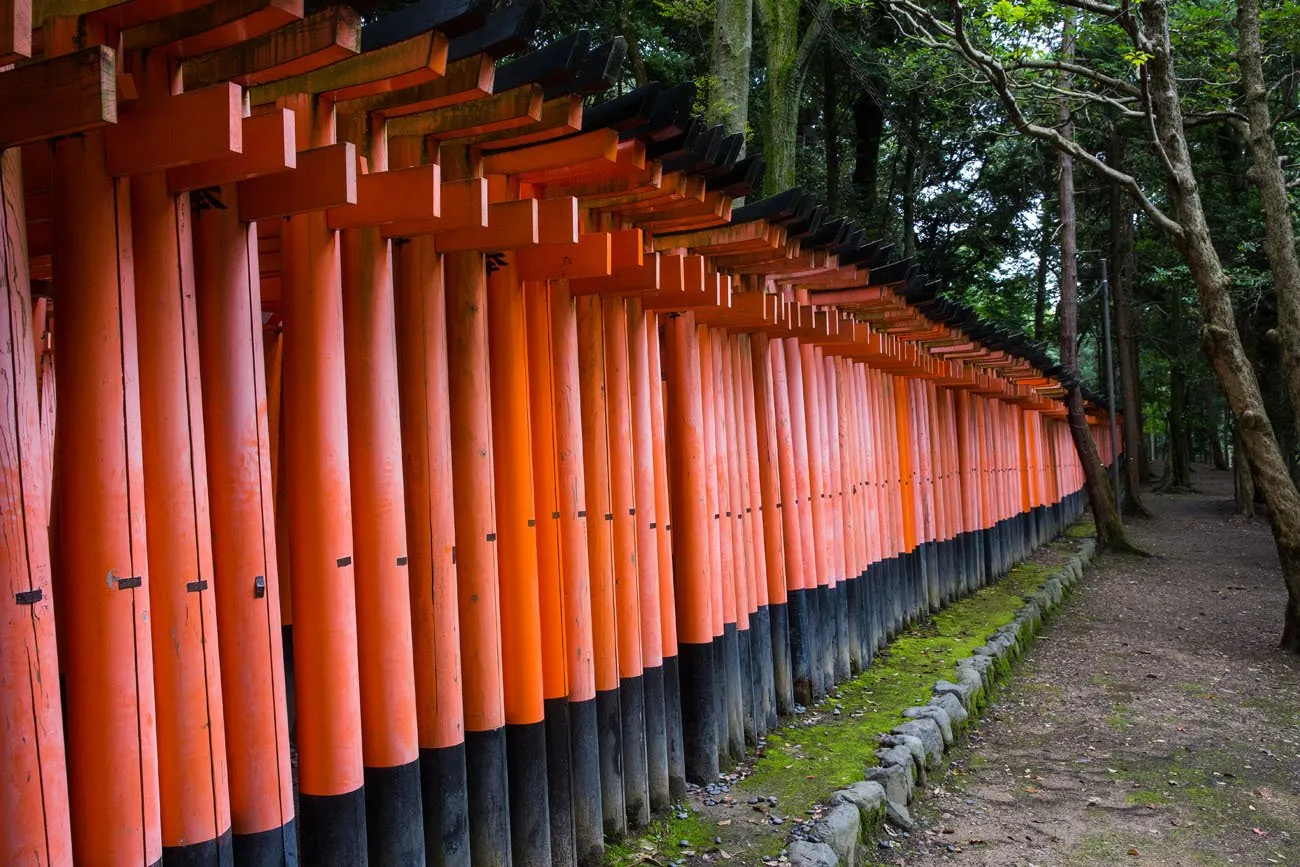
(789, 54)
(1110, 530)
(733, 44)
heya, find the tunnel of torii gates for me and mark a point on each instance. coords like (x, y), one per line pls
(404, 463)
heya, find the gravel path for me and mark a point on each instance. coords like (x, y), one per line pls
(1154, 722)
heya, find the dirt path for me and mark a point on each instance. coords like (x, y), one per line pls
(1153, 723)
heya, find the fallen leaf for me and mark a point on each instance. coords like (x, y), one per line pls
(722, 823)
(1133, 852)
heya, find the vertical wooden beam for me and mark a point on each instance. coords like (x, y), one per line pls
(641, 329)
(477, 570)
(521, 638)
(238, 444)
(579, 600)
(187, 677)
(34, 798)
(691, 561)
(385, 655)
(427, 471)
(636, 792)
(103, 566)
(327, 680)
(600, 547)
(550, 574)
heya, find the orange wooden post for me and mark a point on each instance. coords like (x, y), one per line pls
(767, 450)
(747, 422)
(837, 564)
(389, 733)
(822, 531)
(732, 562)
(326, 677)
(719, 558)
(424, 392)
(187, 675)
(622, 475)
(521, 638)
(691, 560)
(641, 330)
(927, 490)
(667, 591)
(34, 822)
(238, 441)
(744, 539)
(477, 578)
(550, 572)
(578, 600)
(273, 356)
(600, 548)
(800, 573)
(895, 496)
(903, 424)
(102, 565)
(846, 531)
(732, 468)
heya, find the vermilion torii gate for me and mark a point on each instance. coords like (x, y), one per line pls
(413, 457)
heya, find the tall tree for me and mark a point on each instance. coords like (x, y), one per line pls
(733, 43)
(790, 52)
(1110, 531)
(1150, 93)
(1130, 383)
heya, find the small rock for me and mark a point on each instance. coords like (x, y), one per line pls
(805, 854)
(897, 815)
(840, 829)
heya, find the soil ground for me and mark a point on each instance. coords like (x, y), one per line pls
(1154, 722)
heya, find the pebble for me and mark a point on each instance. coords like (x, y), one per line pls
(777, 820)
(683, 843)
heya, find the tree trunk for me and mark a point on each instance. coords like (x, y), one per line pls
(1040, 279)
(869, 130)
(1110, 531)
(1244, 486)
(788, 57)
(1121, 254)
(831, 116)
(1178, 473)
(1266, 174)
(733, 42)
(1220, 339)
(909, 202)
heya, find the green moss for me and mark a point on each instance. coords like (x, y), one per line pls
(1084, 528)
(804, 763)
(1118, 719)
(1144, 797)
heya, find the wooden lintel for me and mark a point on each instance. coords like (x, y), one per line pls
(319, 40)
(616, 191)
(194, 127)
(628, 281)
(268, 141)
(464, 206)
(403, 64)
(510, 110)
(326, 177)
(560, 117)
(510, 225)
(211, 27)
(721, 237)
(59, 96)
(557, 221)
(601, 145)
(464, 80)
(589, 257)
(15, 30)
(389, 197)
(861, 295)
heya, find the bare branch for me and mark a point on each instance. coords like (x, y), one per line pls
(1089, 73)
(1089, 96)
(995, 73)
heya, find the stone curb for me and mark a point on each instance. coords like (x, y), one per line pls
(915, 747)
